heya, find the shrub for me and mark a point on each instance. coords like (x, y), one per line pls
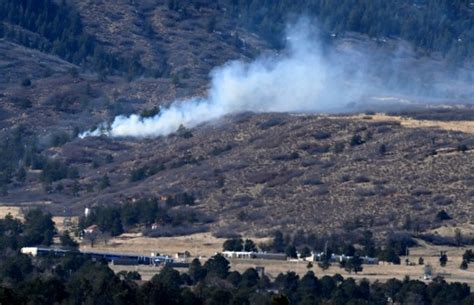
(322, 135)
(442, 200)
(262, 177)
(312, 181)
(356, 140)
(286, 157)
(149, 113)
(22, 102)
(339, 147)
(26, 82)
(221, 149)
(271, 123)
(59, 139)
(442, 215)
(419, 191)
(361, 179)
(462, 148)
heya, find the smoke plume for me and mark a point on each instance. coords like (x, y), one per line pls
(302, 78)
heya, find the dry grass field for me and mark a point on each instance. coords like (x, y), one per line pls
(199, 245)
(462, 126)
(12, 210)
(204, 245)
(59, 221)
(382, 272)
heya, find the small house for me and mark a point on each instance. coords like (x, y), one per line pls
(91, 229)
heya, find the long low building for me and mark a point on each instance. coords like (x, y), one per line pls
(110, 257)
(253, 255)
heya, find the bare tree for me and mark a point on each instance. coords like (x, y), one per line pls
(105, 237)
(91, 237)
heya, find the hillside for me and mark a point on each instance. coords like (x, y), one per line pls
(255, 172)
(249, 172)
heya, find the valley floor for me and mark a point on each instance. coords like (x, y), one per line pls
(204, 245)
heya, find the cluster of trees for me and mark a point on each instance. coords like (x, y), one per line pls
(238, 244)
(395, 246)
(444, 26)
(146, 211)
(77, 280)
(19, 151)
(36, 229)
(145, 171)
(54, 170)
(58, 26)
(55, 27)
(467, 257)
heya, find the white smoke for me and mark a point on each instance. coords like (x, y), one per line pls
(302, 78)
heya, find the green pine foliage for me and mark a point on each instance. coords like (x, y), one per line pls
(445, 26)
(59, 28)
(76, 279)
(55, 27)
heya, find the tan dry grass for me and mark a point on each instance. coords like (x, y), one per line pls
(14, 211)
(467, 230)
(199, 245)
(205, 245)
(463, 126)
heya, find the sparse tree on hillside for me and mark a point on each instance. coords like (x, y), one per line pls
(357, 140)
(26, 82)
(104, 182)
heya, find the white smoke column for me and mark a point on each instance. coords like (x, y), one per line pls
(300, 79)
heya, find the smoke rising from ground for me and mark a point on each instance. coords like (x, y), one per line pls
(302, 78)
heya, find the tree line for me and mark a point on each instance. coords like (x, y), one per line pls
(76, 279)
(56, 27)
(444, 26)
(19, 151)
(144, 212)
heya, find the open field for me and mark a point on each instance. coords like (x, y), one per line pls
(204, 245)
(199, 245)
(462, 126)
(381, 272)
(14, 211)
(59, 221)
